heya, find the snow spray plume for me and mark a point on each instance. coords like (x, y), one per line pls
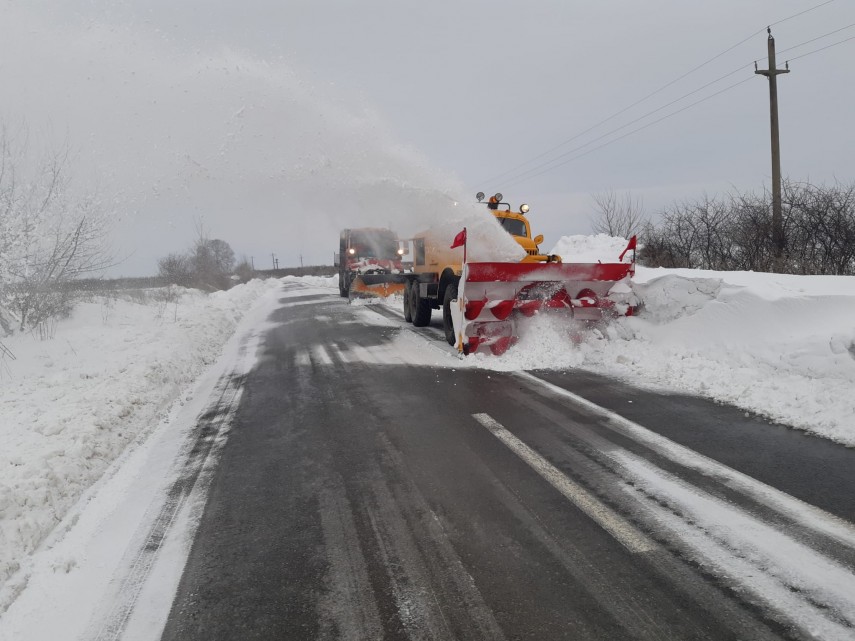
(240, 145)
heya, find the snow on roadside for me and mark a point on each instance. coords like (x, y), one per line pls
(781, 346)
(72, 404)
(324, 282)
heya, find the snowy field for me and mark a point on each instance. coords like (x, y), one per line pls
(73, 401)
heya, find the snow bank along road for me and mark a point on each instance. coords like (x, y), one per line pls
(360, 482)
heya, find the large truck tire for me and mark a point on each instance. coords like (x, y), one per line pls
(419, 308)
(408, 312)
(447, 323)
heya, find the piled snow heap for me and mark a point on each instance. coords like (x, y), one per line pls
(72, 404)
(779, 345)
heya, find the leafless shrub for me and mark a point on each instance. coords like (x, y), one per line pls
(48, 235)
(617, 215)
(163, 297)
(177, 269)
(207, 265)
(734, 232)
(244, 270)
(5, 356)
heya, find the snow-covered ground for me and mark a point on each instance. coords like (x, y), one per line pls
(75, 397)
(72, 401)
(777, 345)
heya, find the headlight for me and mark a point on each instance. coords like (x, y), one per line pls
(498, 196)
(351, 251)
(523, 208)
(400, 252)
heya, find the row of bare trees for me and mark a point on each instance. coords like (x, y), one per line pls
(50, 235)
(209, 264)
(734, 231)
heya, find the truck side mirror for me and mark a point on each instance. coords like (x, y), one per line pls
(538, 239)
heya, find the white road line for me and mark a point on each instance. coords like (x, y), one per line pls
(364, 355)
(806, 514)
(321, 355)
(342, 356)
(626, 534)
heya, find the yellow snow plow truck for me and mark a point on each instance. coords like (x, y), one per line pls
(484, 303)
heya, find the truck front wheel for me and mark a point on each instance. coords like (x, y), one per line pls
(447, 322)
(419, 307)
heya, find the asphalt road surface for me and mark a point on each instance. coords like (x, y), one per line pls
(365, 493)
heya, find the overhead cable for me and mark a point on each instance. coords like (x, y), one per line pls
(629, 133)
(631, 122)
(810, 53)
(825, 35)
(524, 177)
(511, 171)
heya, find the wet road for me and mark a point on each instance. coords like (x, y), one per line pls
(367, 493)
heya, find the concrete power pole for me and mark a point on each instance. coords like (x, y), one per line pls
(777, 217)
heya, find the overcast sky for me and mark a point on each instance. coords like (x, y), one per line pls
(274, 124)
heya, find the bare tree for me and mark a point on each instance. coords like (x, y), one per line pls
(212, 261)
(176, 269)
(49, 236)
(617, 215)
(735, 232)
(208, 264)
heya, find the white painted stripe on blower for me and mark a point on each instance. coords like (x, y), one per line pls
(626, 534)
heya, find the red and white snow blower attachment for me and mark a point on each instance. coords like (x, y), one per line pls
(484, 304)
(493, 299)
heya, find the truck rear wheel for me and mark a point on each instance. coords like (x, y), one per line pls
(447, 322)
(408, 312)
(419, 307)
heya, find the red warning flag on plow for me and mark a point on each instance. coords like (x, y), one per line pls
(460, 239)
(630, 245)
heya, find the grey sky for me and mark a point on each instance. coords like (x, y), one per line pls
(276, 123)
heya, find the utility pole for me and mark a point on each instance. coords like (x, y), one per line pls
(273, 258)
(777, 218)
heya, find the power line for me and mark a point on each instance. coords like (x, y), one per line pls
(629, 133)
(800, 13)
(523, 177)
(825, 35)
(511, 171)
(631, 122)
(810, 53)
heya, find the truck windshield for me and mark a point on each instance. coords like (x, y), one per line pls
(374, 246)
(513, 226)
